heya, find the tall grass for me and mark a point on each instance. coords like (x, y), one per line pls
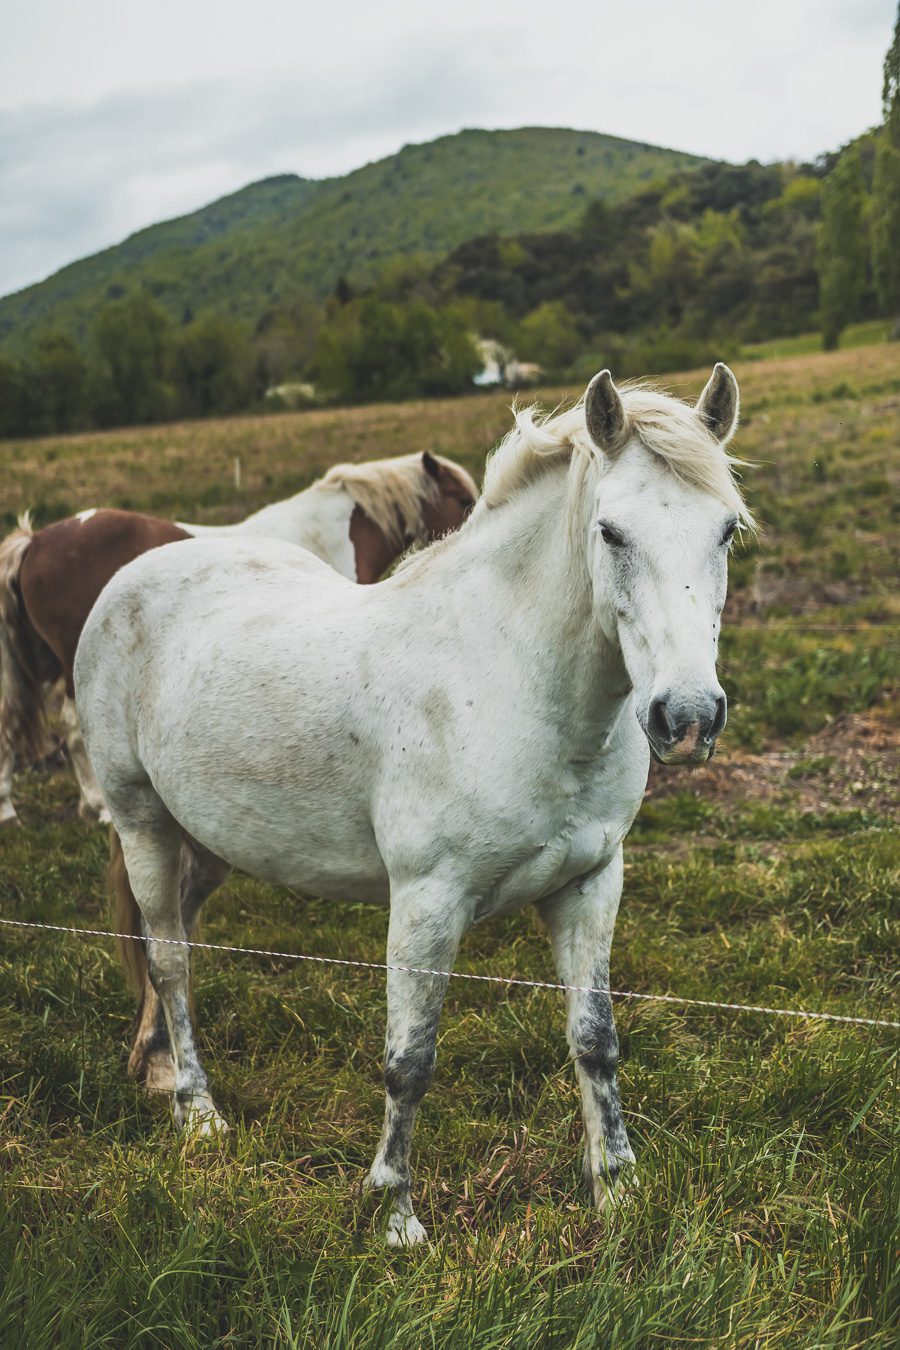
(768, 1191)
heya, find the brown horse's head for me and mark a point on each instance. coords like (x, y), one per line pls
(445, 510)
(411, 499)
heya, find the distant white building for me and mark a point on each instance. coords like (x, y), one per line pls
(293, 395)
(501, 368)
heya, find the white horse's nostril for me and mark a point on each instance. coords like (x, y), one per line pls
(659, 722)
(721, 717)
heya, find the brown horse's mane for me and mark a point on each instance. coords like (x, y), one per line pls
(394, 492)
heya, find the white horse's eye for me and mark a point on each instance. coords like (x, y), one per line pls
(610, 537)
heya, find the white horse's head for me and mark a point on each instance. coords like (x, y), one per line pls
(664, 513)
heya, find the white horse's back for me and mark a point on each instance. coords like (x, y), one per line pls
(317, 519)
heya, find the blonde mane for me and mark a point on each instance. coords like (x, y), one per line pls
(393, 493)
(669, 428)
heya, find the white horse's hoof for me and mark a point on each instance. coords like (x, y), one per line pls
(207, 1126)
(93, 815)
(612, 1195)
(404, 1230)
(200, 1119)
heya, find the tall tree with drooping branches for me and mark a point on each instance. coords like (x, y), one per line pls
(842, 247)
(886, 190)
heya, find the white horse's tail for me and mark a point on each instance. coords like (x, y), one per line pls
(126, 917)
(23, 718)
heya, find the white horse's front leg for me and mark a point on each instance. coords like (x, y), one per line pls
(92, 807)
(581, 920)
(425, 933)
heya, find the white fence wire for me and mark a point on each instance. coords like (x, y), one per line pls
(677, 999)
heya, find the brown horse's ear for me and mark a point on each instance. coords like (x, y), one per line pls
(604, 413)
(431, 466)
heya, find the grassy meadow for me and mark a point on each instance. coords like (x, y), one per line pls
(767, 1211)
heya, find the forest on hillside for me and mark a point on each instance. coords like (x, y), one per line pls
(678, 272)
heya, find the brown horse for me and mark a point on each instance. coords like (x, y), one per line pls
(359, 518)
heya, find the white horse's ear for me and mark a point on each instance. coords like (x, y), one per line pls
(604, 413)
(720, 403)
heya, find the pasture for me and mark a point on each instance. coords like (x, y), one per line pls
(767, 1212)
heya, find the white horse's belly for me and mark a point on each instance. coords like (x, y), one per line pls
(274, 834)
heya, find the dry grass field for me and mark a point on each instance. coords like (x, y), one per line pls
(767, 1214)
(839, 400)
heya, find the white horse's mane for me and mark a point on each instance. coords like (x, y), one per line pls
(394, 492)
(671, 429)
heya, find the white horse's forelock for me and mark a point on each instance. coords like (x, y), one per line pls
(394, 492)
(668, 427)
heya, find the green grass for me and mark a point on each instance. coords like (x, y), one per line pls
(767, 1214)
(804, 344)
(795, 681)
(769, 1181)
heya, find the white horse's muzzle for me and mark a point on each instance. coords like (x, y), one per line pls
(684, 731)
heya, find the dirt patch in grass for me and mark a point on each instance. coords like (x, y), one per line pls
(794, 591)
(852, 764)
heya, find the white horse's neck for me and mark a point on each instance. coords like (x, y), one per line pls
(317, 519)
(523, 561)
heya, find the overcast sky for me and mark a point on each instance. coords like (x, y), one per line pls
(114, 116)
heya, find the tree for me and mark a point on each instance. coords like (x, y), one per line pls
(842, 251)
(58, 384)
(445, 358)
(285, 339)
(13, 399)
(549, 336)
(370, 350)
(886, 190)
(213, 367)
(134, 342)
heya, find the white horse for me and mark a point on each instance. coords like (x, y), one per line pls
(469, 737)
(359, 518)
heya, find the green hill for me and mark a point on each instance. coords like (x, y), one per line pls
(287, 235)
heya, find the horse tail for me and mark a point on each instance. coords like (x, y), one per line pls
(126, 916)
(23, 717)
(128, 926)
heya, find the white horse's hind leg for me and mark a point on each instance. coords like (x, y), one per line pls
(152, 850)
(151, 1061)
(7, 764)
(581, 921)
(92, 806)
(426, 936)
